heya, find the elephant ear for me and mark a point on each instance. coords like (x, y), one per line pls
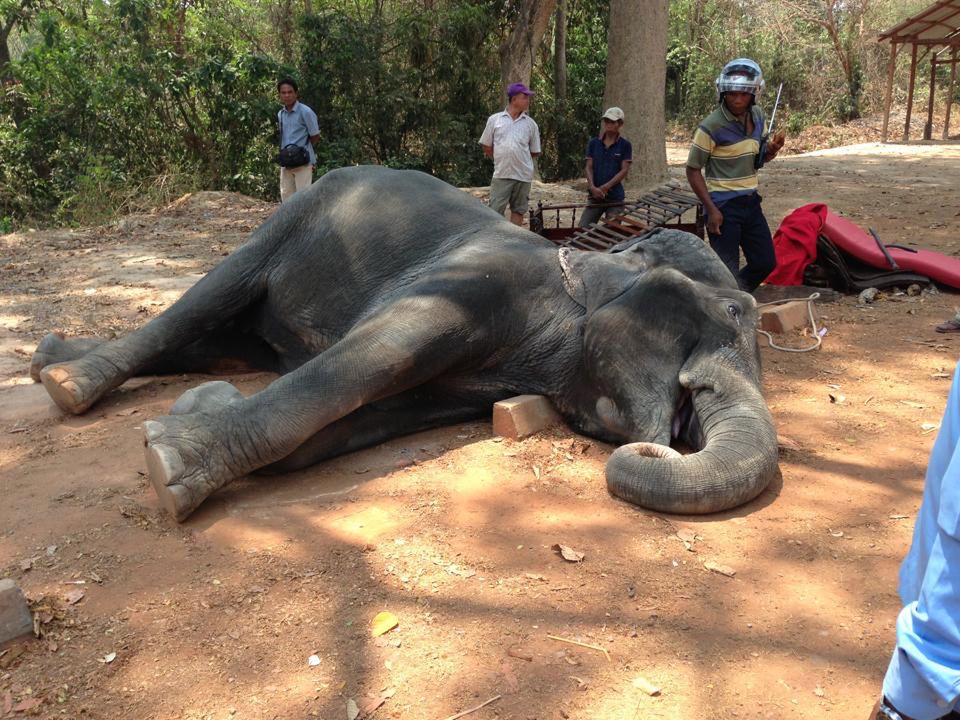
(593, 279)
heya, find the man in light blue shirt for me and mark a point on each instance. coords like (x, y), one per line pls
(923, 678)
(298, 126)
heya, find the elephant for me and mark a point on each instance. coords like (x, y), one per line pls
(426, 312)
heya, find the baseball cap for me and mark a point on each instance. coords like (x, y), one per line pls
(517, 89)
(614, 114)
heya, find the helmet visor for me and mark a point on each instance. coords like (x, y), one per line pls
(738, 69)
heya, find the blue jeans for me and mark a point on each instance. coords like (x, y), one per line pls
(744, 226)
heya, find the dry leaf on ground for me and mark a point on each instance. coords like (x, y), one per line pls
(568, 553)
(520, 654)
(27, 705)
(648, 687)
(383, 622)
(718, 568)
(353, 710)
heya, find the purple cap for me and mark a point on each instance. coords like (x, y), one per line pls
(518, 89)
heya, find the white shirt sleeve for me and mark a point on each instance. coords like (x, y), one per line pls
(534, 139)
(487, 137)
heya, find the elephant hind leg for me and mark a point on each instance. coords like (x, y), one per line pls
(217, 354)
(228, 294)
(56, 348)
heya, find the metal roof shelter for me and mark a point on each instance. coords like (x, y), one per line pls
(937, 31)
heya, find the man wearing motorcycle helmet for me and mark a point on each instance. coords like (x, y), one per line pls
(728, 147)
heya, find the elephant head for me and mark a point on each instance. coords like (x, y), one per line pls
(670, 355)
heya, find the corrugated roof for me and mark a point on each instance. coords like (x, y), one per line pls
(939, 24)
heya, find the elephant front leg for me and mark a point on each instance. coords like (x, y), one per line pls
(187, 459)
(371, 425)
(191, 455)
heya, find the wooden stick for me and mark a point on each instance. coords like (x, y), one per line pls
(474, 709)
(581, 644)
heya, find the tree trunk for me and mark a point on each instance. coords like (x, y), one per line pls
(5, 74)
(18, 110)
(560, 53)
(519, 48)
(636, 82)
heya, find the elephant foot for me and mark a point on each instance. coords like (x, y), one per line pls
(55, 348)
(182, 462)
(209, 397)
(77, 384)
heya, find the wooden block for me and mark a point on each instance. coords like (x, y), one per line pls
(786, 317)
(15, 617)
(523, 415)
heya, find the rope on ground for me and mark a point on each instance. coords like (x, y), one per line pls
(813, 323)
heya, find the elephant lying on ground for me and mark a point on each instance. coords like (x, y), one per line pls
(427, 312)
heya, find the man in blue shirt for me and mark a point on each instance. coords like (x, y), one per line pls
(608, 162)
(923, 678)
(298, 126)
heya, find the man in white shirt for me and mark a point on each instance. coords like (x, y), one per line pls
(512, 139)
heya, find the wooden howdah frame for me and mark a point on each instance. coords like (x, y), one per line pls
(668, 206)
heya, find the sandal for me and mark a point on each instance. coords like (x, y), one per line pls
(950, 326)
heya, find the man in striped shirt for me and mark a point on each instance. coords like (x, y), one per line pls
(726, 148)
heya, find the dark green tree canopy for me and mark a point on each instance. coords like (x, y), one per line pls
(113, 105)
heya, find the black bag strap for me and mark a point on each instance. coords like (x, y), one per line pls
(281, 134)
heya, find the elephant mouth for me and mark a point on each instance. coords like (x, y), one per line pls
(685, 426)
(722, 453)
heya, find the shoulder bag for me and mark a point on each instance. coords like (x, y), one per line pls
(291, 156)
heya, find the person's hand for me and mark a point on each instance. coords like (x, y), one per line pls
(714, 220)
(775, 144)
(598, 193)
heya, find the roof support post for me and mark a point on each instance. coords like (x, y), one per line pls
(928, 128)
(953, 79)
(889, 97)
(913, 78)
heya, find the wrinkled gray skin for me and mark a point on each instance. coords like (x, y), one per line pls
(426, 312)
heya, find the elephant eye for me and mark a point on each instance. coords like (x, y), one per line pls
(733, 310)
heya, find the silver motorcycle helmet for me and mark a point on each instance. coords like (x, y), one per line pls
(740, 75)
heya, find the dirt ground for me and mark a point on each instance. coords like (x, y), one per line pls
(261, 604)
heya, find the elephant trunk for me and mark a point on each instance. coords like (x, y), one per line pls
(736, 463)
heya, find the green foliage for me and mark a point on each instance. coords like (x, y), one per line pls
(121, 98)
(400, 88)
(113, 105)
(824, 52)
(566, 126)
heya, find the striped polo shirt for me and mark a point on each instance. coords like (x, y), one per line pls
(726, 153)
